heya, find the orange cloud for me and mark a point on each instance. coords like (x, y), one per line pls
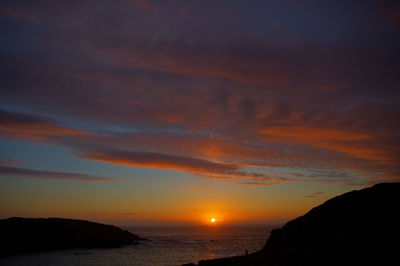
(159, 161)
(33, 127)
(214, 158)
(351, 143)
(313, 134)
(201, 167)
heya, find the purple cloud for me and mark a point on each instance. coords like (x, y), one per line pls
(301, 89)
(31, 173)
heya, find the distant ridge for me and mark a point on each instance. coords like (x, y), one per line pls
(26, 235)
(357, 228)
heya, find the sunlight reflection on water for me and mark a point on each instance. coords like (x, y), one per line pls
(168, 246)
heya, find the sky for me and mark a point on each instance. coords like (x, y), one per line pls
(165, 111)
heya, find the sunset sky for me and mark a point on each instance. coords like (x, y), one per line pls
(183, 111)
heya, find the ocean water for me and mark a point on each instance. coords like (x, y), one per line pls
(167, 245)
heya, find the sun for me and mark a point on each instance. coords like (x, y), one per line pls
(212, 220)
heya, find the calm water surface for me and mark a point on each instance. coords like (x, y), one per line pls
(170, 245)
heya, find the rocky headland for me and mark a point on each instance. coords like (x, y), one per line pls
(27, 235)
(357, 228)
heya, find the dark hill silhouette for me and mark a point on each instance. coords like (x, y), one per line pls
(357, 228)
(25, 235)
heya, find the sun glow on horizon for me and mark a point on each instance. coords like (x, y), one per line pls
(212, 220)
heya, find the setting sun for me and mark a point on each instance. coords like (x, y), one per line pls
(201, 136)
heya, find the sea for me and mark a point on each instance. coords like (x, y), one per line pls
(166, 245)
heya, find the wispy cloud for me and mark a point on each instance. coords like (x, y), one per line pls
(143, 4)
(10, 162)
(19, 13)
(31, 173)
(251, 183)
(212, 158)
(314, 195)
(197, 166)
(349, 142)
(19, 125)
(196, 187)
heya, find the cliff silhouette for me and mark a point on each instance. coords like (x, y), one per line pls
(26, 235)
(357, 228)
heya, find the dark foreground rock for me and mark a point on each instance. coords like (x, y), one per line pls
(357, 228)
(23, 235)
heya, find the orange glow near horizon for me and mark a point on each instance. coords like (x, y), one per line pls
(212, 220)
